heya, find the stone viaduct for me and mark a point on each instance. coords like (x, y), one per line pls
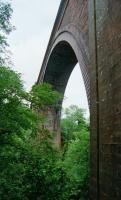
(89, 32)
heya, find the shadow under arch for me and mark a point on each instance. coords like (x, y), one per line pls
(64, 53)
(60, 61)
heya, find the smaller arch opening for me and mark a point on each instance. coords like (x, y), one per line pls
(75, 93)
(75, 136)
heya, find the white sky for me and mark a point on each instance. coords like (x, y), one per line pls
(34, 20)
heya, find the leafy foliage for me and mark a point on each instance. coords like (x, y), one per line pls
(75, 165)
(5, 15)
(43, 96)
(5, 28)
(15, 114)
(28, 170)
(30, 167)
(73, 121)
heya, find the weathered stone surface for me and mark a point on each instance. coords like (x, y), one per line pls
(89, 32)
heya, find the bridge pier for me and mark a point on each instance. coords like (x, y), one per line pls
(52, 123)
(105, 54)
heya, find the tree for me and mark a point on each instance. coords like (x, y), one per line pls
(39, 171)
(75, 165)
(5, 29)
(28, 167)
(43, 96)
(73, 121)
(15, 113)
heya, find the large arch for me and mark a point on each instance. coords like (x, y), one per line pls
(66, 51)
(63, 57)
(89, 31)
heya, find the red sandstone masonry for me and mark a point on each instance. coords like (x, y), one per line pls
(89, 32)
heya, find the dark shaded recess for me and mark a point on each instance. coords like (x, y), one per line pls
(60, 65)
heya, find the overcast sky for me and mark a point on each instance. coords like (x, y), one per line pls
(34, 20)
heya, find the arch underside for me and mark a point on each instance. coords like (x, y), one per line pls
(63, 57)
(60, 66)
